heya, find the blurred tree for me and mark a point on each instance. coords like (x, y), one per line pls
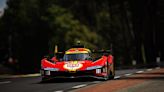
(68, 28)
(144, 26)
(21, 22)
(31, 28)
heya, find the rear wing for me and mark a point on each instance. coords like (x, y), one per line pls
(104, 52)
(101, 51)
(78, 46)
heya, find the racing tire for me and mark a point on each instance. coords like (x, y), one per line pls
(44, 80)
(112, 73)
(111, 76)
(105, 78)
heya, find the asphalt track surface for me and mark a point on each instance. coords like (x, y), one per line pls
(33, 84)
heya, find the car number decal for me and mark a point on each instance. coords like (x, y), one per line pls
(72, 66)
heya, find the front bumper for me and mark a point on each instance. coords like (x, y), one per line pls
(68, 74)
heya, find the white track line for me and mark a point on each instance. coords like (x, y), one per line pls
(149, 69)
(117, 77)
(139, 71)
(128, 74)
(79, 86)
(96, 82)
(59, 91)
(5, 82)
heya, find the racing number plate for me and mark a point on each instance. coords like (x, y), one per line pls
(72, 66)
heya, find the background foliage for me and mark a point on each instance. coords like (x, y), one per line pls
(29, 29)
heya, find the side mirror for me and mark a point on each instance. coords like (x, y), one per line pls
(48, 58)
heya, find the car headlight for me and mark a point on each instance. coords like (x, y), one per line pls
(94, 67)
(51, 69)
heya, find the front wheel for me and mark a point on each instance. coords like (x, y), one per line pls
(111, 76)
(105, 78)
(106, 69)
(45, 79)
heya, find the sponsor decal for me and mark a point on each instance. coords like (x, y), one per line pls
(72, 65)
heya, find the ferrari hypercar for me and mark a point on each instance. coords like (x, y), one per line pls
(78, 62)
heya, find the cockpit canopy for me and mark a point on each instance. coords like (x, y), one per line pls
(78, 57)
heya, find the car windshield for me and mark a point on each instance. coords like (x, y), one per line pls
(79, 57)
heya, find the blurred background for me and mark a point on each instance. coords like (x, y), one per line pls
(30, 29)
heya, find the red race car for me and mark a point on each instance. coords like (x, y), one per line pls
(78, 62)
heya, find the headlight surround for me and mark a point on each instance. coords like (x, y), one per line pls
(51, 69)
(94, 67)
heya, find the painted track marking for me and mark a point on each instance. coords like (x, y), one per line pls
(5, 82)
(59, 91)
(96, 82)
(117, 77)
(149, 69)
(139, 71)
(79, 86)
(128, 74)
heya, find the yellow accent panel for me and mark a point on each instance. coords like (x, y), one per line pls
(75, 52)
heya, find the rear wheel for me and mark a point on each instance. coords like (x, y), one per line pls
(112, 72)
(111, 76)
